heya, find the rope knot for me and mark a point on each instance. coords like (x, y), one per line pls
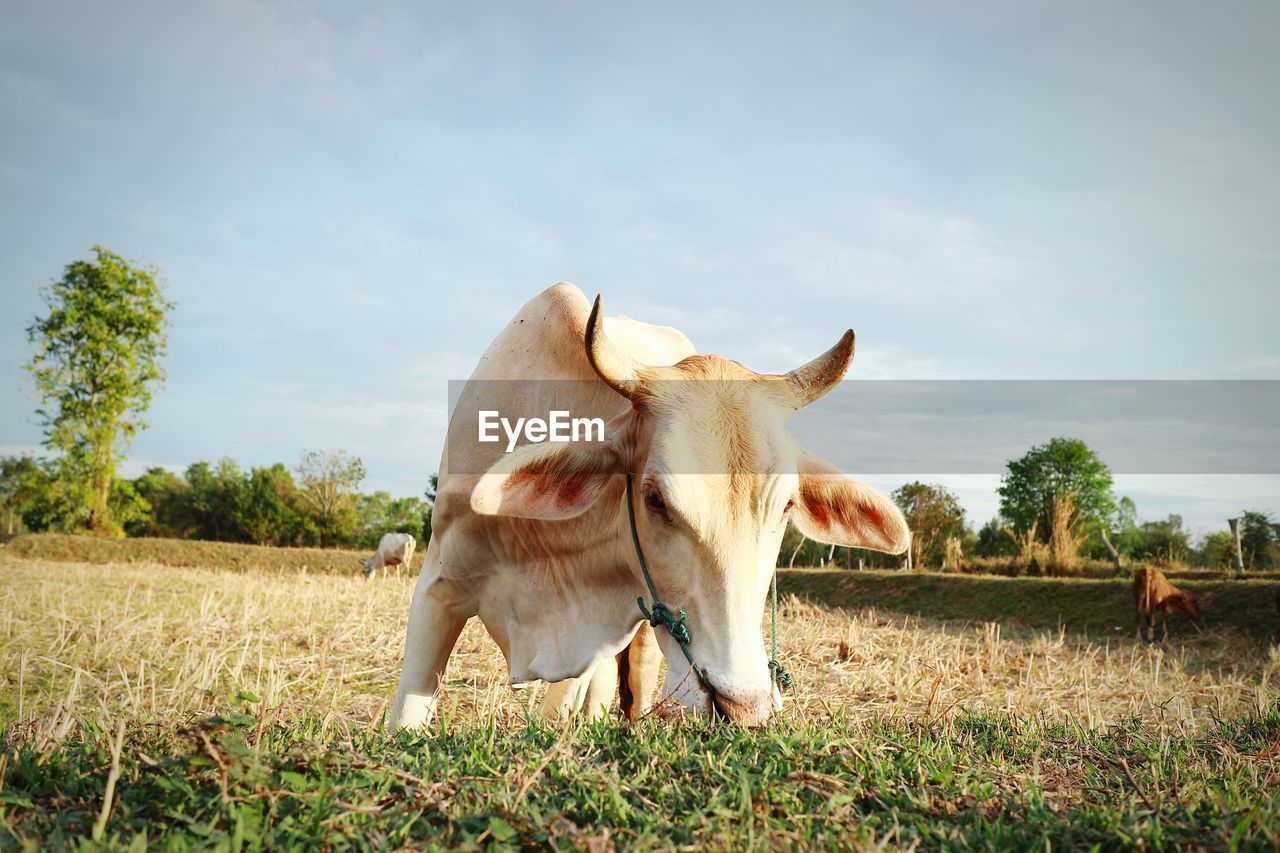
(779, 674)
(661, 616)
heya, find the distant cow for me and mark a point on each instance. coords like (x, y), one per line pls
(394, 549)
(1152, 594)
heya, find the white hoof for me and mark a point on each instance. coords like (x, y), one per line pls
(415, 713)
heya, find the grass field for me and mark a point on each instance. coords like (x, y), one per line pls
(194, 553)
(250, 703)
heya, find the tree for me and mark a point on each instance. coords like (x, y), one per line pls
(330, 480)
(1035, 483)
(96, 365)
(19, 485)
(934, 515)
(381, 514)
(212, 506)
(994, 540)
(128, 508)
(167, 495)
(1218, 550)
(42, 510)
(1126, 515)
(265, 514)
(1258, 539)
(1160, 541)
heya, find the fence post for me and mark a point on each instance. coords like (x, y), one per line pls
(1237, 558)
(1111, 549)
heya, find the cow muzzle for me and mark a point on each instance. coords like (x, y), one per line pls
(751, 713)
(744, 707)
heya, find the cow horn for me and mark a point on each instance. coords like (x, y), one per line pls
(811, 381)
(618, 370)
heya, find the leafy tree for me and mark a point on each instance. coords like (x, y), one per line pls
(96, 364)
(407, 515)
(330, 480)
(993, 540)
(1126, 515)
(1218, 550)
(212, 505)
(1123, 529)
(381, 514)
(1163, 541)
(265, 512)
(128, 508)
(19, 486)
(1258, 540)
(43, 508)
(1046, 474)
(934, 515)
(166, 493)
(373, 513)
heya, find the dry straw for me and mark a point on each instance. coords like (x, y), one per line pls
(84, 642)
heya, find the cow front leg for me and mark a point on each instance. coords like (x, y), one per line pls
(434, 626)
(601, 689)
(643, 665)
(565, 698)
(590, 694)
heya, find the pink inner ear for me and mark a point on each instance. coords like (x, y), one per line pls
(570, 490)
(817, 511)
(545, 481)
(873, 515)
(848, 514)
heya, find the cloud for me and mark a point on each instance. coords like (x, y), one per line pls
(349, 205)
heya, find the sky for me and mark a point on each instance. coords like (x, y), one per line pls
(348, 202)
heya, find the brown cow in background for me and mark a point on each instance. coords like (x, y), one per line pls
(1153, 594)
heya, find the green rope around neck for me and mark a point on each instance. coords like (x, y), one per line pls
(777, 671)
(662, 616)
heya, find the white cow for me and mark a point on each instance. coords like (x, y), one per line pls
(537, 542)
(394, 549)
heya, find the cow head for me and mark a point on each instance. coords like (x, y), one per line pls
(367, 566)
(1184, 602)
(717, 479)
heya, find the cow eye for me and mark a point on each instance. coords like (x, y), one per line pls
(786, 509)
(655, 503)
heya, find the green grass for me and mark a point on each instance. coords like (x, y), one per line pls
(239, 782)
(862, 756)
(1078, 604)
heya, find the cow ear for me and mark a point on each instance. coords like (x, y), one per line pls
(546, 481)
(834, 508)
